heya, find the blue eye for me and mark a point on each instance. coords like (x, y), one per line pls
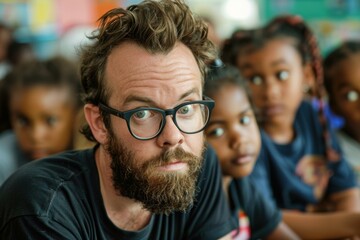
(142, 114)
(352, 96)
(283, 75)
(187, 109)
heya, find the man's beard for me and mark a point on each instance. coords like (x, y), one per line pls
(158, 191)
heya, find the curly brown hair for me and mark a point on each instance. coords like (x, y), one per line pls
(154, 25)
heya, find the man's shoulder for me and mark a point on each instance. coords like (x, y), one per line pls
(33, 188)
(210, 166)
(210, 158)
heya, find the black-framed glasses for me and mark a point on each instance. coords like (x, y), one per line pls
(146, 123)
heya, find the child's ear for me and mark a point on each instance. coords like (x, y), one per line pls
(96, 123)
(309, 79)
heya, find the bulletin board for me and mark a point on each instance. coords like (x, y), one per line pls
(331, 20)
(43, 22)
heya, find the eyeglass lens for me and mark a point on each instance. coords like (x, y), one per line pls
(190, 118)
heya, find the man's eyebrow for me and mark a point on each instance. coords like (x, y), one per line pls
(134, 98)
(143, 99)
(188, 93)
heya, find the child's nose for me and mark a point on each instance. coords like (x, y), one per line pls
(272, 89)
(38, 133)
(238, 137)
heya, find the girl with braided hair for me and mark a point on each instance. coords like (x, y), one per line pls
(342, 82)
(234, 134)
(302, 168)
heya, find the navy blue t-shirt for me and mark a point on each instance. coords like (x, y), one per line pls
(59, 198)
(297, 175)
(245, 197)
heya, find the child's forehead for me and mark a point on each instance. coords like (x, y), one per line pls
(25, 88)
(38, 93)
(230, 96)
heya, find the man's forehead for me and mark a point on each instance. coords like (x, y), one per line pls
(135, 69)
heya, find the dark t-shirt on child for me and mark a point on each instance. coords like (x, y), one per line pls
(246, 201)
(294, 176)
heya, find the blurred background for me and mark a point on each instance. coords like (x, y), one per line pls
(54, 27)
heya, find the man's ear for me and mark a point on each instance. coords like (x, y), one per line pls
(96, 123)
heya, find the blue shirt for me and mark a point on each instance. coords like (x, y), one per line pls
(297, 175)
(245, 197)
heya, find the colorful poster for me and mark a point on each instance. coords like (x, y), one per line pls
(42, 14)
(102, 6)
(70, 13)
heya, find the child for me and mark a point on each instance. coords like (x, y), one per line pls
(303, 165)
(233, 132)
(342, 82)
(42, 102)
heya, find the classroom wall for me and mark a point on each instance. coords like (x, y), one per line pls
(332, 20)
(52, 25)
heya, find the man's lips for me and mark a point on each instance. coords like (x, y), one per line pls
(174, 166)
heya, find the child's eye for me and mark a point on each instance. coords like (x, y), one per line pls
(283, 75)
(22, 121)
(217, 132)
(51, 120)
(257, 80)
(352, 96)
(245, 120)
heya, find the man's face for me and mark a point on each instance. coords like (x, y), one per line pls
(161, 172)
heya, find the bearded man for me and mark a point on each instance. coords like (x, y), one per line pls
(150, 175)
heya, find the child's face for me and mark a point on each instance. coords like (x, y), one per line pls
(42, 118)
(233, 132)
(276, 75)
(345, 93)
